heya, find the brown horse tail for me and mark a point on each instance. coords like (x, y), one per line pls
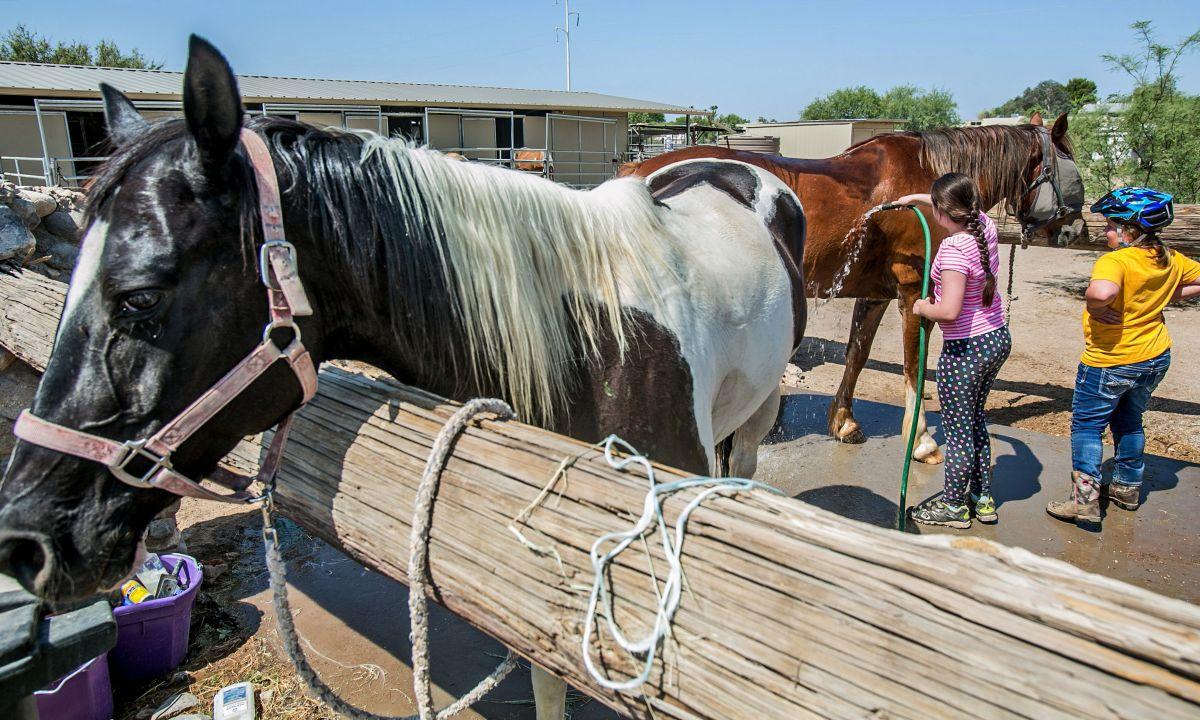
(975, 227)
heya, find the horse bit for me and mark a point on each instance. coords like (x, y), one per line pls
(286, 300)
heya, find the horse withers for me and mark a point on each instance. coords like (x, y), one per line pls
(1027, 168)
(664, 314)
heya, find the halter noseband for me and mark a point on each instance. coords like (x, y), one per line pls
(1047, 175)
(286, 300)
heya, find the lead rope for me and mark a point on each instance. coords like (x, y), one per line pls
(1008, 294)
(418, 563)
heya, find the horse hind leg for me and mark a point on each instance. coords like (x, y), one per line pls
(549, 694)
(743, 456)
(868, 312)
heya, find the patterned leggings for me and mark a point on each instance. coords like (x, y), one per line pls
(965, 373)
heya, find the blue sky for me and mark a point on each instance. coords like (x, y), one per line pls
(753, 58)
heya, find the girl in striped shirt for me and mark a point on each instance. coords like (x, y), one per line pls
(968, 308)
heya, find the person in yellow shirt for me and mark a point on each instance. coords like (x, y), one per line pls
(1127, 348)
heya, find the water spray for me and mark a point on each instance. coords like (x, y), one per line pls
(922, 352)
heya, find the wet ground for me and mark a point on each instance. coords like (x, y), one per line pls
(1154, 547)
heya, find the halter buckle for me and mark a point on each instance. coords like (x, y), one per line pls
(137, 449)
(264, 261)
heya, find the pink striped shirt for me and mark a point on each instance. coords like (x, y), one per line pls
(960, 252)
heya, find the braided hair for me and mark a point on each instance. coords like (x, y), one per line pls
(957, 196)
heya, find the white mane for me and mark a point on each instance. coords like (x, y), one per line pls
(530, 259)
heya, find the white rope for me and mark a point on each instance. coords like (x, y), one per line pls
(668, 598)
(418, 563)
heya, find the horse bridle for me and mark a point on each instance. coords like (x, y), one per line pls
(1047, 175)
(286, 300)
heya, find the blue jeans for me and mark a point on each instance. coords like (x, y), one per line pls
(1113, 397)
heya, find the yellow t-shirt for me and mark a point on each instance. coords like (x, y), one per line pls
(1146, 288)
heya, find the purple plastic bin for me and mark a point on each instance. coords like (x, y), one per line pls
(152, 636)
(85, 694)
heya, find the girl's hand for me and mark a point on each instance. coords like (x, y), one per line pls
(920, 306)
(1105, 315)
(913, 199)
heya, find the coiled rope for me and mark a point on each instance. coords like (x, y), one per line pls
(418, 606)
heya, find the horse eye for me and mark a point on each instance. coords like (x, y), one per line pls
(139, 301)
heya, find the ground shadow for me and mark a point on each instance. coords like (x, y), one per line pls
(854, 502)
(803, 414)
(1016, 475)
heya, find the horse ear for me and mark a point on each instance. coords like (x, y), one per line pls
(123, 120)
(1059, 131)
(1036, 119)
(212, 104)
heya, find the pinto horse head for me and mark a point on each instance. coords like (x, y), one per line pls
(164, 300)
(1053, 202)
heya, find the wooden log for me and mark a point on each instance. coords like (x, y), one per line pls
(791, 611)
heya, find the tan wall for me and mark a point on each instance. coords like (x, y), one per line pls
(480, 132)
(19, 138)
(364, 122)
(443, 131)
(807, 141)
(866, 131)
(322, 120)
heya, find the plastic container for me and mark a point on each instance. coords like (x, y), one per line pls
(85, 694)
(152, 636)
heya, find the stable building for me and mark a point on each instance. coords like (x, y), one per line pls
(821, 138)
(52, 124)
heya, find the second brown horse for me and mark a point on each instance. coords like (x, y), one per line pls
(876, 260)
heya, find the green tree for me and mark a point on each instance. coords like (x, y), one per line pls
(1049, 97)
(1149, 136)
(1081, 91)
(847, 103)
(921, 109)
(641, 117)
(22, 45)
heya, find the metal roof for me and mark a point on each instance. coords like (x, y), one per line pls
(79, 81)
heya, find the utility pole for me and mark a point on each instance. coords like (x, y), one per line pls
(566, 31)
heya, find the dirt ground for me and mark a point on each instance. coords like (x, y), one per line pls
(233, 635)
(1034, 388)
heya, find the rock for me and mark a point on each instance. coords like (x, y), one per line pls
(63, 224)
(163, 535)
(63, 253)
(214, 571)
(266, 696)
(181, 676)
(194, 716)
(15, 239)
(174, 705)
(42, 203)
(26, 210)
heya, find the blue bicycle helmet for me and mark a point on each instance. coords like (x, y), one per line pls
(1140, 207)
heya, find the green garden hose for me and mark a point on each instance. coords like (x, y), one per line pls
(921, 357)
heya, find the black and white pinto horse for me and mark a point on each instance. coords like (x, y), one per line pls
(662, 312)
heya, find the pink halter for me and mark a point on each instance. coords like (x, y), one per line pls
(286, 300)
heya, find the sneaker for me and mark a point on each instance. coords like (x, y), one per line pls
(936, 511)
(1084, 503)
(1126, 497)
(985, 508)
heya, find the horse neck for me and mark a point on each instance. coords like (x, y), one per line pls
(992, 179)
(360, 316)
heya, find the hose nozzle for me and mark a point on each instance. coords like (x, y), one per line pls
(893, 206)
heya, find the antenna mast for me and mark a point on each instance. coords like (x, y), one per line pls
(566, 31)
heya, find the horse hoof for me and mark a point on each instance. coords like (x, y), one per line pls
(850, 435)
(929, 458)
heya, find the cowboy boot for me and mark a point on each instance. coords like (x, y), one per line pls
(1126, 497)
(1084, 503)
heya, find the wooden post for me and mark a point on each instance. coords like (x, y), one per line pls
(791, 611)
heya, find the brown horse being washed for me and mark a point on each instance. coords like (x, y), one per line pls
(1026, 167)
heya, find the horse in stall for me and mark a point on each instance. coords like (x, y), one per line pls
(878, 258)
(606, 311)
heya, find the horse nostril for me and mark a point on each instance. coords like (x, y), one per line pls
(24, 558)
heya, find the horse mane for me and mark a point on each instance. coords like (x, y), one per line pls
(996, 156)
(528, 272)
